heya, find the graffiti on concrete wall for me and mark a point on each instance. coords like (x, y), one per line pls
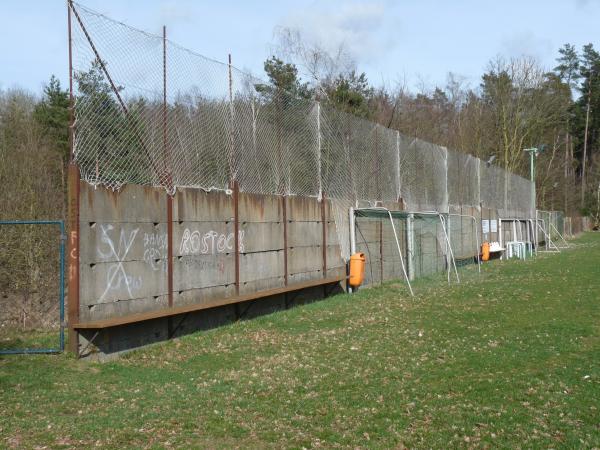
(115, 247)
(155, 251)
(209, 243)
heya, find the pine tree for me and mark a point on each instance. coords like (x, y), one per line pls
(567, 71)
(52, 113)
(590, 88)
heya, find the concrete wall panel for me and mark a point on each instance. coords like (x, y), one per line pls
(200, 271)
(301, 209)
(261, 236)
(203, 295)
(131, 204)
(305, 259)
(260, 208)
(123, 307)
(261, 265)
(112, 282)
(303, 234)
(197, 205)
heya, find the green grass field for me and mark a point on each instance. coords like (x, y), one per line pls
(508, 359)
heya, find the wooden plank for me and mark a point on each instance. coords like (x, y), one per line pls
(133, 318)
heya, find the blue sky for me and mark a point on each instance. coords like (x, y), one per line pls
(417, 42)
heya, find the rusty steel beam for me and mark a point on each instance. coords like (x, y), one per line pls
(285, 240)
(381, 250)
(231, 156)
(236, 232)
(170, 248)
(73, 211)
(71, 102)
(73, 259)
(169, 172)
(324, 243)
(167, 164)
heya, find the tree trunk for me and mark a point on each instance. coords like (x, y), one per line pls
(566, 172)
(585, 140)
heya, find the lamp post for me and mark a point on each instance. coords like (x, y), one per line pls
(533, 151)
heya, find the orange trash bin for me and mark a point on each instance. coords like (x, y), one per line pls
(357, 269)
(485, 251)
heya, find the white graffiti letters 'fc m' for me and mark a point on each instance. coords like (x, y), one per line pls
(210, 243)
(116, 275)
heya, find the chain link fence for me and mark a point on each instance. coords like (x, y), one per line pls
(150, 112)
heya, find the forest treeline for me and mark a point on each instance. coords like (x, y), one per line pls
(518, 104)
(33, 159)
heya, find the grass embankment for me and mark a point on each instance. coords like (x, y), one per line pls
(507, 359)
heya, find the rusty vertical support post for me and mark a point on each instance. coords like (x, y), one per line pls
(380, 198)
(236, 231)
(398, 178)
(231, 156)
(170, 248)
(462, 231)
(233, 184)
(167, 178)
(324, 242)
(381, 250)
(73, 221)
(73, 210)
(285, 239)
(169, 173)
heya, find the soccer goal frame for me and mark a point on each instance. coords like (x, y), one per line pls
(409, 216)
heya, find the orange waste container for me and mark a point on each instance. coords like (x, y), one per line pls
(357, 269)
(485, 251)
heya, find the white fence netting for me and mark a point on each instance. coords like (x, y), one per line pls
(150, 112)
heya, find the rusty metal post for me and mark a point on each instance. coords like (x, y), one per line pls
(381, 249)
(324, 241)
(285, 239)
(233, 184)
(380, 198)
(73, 224)
(236, 231)
(231, 156)
(73, 211)
(169, 171)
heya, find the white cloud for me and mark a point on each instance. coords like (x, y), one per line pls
(360, 27)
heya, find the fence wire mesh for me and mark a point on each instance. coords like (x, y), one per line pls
(150, 112)
(31, 286)
(463, 179)
(464, 237)
(430, 249)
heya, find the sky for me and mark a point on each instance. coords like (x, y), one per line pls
(412, 42)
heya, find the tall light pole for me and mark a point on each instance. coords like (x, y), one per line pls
(533, 151)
